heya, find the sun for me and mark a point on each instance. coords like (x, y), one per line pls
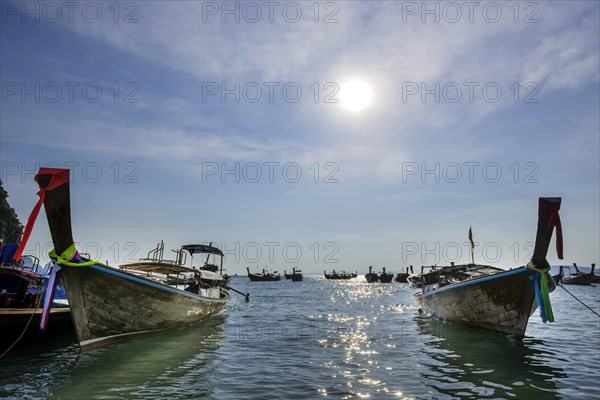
(355, 95)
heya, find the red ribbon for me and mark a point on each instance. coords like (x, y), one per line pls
(554, 221)
(58, 178)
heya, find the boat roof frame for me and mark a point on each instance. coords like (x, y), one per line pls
(202, 248)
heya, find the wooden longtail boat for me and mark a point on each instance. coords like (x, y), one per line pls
(22, 289)
(596, 278)
(385, 277)
(403, 276)
(264, 277)
(372, 277)
(106, 302)
(578, 278)
(295, 276)
(339, 276)
(501, 301)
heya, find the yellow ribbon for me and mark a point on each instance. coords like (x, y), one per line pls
(67, 255)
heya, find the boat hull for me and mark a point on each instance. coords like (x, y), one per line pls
(583, 279)
(107, 303)
(260, 278)
(501, 302)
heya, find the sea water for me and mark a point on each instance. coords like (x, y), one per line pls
(317, 339)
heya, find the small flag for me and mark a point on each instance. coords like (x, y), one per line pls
(471, 238)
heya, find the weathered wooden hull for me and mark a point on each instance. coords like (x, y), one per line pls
(339, 277)
(583, 279)
(501, 302)
(266, 278)
(107, 303)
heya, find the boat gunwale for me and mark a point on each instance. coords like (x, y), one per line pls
(156, 284)
(161, 266)
(28, 311)
(478, 279)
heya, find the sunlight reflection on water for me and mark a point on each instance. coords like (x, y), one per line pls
(318, 338)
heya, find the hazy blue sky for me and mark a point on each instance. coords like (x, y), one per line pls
(208, 121)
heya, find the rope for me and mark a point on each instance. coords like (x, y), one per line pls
(26, 326)
(542, 293)
(589, 308)
(70, 254)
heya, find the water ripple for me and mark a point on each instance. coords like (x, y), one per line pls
(319, 338)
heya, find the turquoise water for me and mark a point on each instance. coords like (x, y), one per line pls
(316, 339)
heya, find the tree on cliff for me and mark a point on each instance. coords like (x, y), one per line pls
(11, 228)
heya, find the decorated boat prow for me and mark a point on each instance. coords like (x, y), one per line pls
(499, 300)
(107, 302)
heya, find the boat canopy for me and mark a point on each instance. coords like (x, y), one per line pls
(210, 276)
(201, 248)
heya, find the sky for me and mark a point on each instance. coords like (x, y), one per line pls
(315, 135)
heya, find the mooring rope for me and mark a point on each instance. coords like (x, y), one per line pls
(589, 308)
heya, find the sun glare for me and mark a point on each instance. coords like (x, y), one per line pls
(355, 95)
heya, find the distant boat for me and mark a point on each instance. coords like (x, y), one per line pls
(295, 276)
(403, 276)
(22, 294)
(341, 276)
(372, 277)
(107, 302)
(577, 278)
(501, 301)
(596, 278)
(385, 277)
(264, 277)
